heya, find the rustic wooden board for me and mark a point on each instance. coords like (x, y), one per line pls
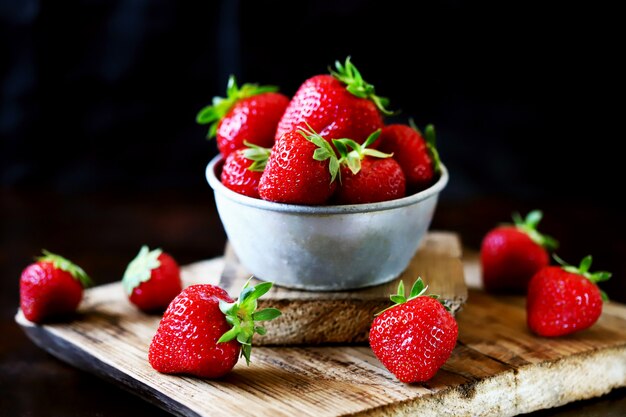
(345, 316)
(497, 369)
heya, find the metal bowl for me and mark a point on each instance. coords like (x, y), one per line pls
(324, 248)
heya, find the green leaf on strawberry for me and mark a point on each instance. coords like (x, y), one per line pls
(242, 316)
(529, 226)
(348, 74)
(258, 154)
(352, 159)
(583, 269)
(140, 269)
(66, 265)
(431, 143)
(213, 113)
(323, 152)
(417, 290)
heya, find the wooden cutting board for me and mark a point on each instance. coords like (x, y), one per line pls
(497, 368)
(312, 318)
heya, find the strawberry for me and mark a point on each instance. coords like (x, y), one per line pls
(340, 105)
(300, 170)
(243, 169)
(414, 337)
(203, 331)
(248, 113)
(152, 280)
(512, 254)
(367, 175)
(564, 300)
(418, 158)
(51, 287)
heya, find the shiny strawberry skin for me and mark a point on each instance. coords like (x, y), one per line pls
(414, 339)
(561, 302)
(253, 119)
(509, 259)
(378, 180)
(47, 292)
(410, 151)
(164, 284)
(186, 340)
(237, 177)
(324, 103)
(293, 176)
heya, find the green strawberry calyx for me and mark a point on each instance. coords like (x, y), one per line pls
(352, 159)
(140, 269)
(349, 75)
(66, 265)
(417, 290)
(220, 106)
(242, 315)
(431, 143)
(258, 154)
(583, 269)
(323, 152)
(529, 226)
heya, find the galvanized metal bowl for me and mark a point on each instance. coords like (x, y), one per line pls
(324, 248)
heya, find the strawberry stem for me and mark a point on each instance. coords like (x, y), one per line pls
(323, 152)
(66, 265)
(140, 269)
(349, 75)
(417, 290)
(242, 316)
(352, 159)
(220, 106)
(258, 154)
(583, 269)
(529, 226)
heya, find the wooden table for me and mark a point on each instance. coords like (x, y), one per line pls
(102, 233)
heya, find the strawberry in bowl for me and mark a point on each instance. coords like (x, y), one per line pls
(332, 210)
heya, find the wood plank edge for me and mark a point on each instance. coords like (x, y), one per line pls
(73, 355)
(516, 390)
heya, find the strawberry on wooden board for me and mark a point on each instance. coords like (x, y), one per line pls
(300, 170)
(51, 287)
(417, 156)
(414, 337)
(564, 299)
(243, 168)
(340, 105)
(204, 331)
(367, 175)
(249, 113)
(152, 280)
(511, 254)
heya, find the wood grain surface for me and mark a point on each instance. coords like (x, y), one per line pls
(312, 318)
(497, 368)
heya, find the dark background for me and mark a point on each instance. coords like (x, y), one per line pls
(100, 151)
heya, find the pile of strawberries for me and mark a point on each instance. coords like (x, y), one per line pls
(328, 145)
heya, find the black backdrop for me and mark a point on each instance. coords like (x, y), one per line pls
(102, 95)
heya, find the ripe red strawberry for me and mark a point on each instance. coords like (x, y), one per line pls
(367, 175)
(564, 300)
(51, 287)
(418, 158)
(301, 170)
(511, 255)
(248, 113)
(243, 169)
(203, 331)
(341, 105)
(152, 280)
(414, 337)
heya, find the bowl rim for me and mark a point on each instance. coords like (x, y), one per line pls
(220, 188)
